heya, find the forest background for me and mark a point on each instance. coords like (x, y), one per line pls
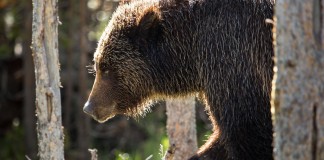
(81, 24)
(297, 97)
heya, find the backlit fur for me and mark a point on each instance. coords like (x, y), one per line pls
(221, 49)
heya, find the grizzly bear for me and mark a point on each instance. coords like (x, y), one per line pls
(219, 49)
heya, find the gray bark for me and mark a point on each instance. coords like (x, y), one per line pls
(298, 85)
(48, 101)
(181, 128)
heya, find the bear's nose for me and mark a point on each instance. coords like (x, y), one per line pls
(88, 108)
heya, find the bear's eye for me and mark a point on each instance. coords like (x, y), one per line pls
(102, 67)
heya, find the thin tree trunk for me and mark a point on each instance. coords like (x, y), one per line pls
(181, 128)
(298, 89)
(48, 101)
(67, 106)
(29, 89)
(83, 120)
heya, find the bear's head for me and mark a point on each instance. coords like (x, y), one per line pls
(123, 81)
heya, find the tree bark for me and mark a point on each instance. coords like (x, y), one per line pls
(181, 127)
(48, 101)
(298, 85)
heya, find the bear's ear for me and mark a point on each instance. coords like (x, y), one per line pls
(149, 25)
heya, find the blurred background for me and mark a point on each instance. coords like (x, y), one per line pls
(82, 22)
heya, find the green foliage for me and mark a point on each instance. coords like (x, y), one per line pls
(95, 34)
(153, 145)
(5, 51)
(154, 125)
(203, 137)
(12, 144)
(148, 151)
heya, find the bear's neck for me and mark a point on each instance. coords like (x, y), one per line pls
(171, 59)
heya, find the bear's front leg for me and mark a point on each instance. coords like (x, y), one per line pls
(243, 125)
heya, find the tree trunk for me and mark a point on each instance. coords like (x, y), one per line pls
(181, 127)
(298, 86)
(29, 120)
(68, 85)
(48, 101)
(83, 121)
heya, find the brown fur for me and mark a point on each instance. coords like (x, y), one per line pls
(220, 48)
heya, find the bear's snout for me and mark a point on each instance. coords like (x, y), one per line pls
(88, 108)
(99, 113)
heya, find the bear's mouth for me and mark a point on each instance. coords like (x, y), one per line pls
(103, 119)
(102, 114)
